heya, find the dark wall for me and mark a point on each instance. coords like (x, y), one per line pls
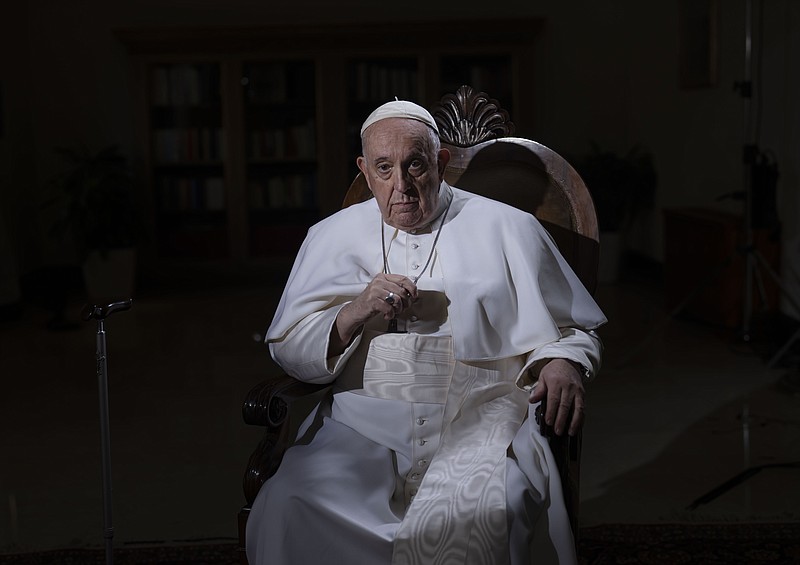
(609, 73)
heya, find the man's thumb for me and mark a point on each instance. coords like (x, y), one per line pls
(539, 392)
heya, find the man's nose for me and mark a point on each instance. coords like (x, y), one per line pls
(402, 181)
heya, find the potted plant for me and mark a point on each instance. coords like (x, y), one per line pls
(97, 207)
(621, 187)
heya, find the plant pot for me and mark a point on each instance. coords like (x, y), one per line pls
(110, 276)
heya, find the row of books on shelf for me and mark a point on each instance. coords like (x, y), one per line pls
(377, 82)
(296, 141)
(179, 194)
(185, 85)
(177, 145)
(283, 191)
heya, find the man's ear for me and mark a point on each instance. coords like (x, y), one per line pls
(444, 158)
(362, 166)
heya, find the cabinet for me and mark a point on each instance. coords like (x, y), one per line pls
(250, 135)
(704, 266)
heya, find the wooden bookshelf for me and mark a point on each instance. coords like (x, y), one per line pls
(279, 100)
(371, 81)
(249, 135)
(187, 151)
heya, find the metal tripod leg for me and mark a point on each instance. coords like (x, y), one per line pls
(783, 349)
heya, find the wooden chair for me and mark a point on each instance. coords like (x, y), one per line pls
(486, 160)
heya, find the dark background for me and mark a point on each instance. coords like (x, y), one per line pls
(615, 73)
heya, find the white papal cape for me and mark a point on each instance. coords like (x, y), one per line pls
(423, 454)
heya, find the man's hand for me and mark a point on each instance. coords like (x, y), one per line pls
(370, 303)
(560, 381)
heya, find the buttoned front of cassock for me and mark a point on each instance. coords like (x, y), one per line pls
(424, 441)
(408, 253)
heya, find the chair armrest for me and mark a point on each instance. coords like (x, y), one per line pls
(279, 404)
(268, 403)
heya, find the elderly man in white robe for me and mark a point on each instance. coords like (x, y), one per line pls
(442, 319)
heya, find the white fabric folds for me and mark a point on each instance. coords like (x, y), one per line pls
(408, 462)
(459, 514)
(509, 292)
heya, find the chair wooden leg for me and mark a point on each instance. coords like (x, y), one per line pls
(244, 513)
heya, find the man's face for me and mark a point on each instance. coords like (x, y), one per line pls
(403, 171)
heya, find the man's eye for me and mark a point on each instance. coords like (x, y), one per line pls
(383, 168)
(416, 164)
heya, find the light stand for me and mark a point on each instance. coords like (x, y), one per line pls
(753, 259)
(100, 313)
(749, 152)
(752, 256)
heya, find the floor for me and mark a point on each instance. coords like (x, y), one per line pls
(679, 409)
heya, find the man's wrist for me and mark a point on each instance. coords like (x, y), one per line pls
(583, 371)
(586, 374)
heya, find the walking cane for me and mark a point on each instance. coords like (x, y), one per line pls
(100, 313)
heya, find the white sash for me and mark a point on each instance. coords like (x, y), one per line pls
(459, 513)
(409, 367)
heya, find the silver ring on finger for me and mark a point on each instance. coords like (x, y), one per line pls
(390, 299)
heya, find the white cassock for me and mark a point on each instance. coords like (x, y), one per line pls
(423, 453)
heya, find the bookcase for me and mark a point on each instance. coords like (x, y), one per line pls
(281, 153)
(188, 168)
(248, 136)
(371, 81)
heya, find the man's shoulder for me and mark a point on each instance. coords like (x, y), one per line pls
(351, 218)
(476, 205)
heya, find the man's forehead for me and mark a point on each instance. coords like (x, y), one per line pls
(389, 143)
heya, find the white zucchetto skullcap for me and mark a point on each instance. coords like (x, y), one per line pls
(400, 109)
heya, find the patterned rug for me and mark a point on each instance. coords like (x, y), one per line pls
(613, 544)
(691, 544)
(203, 554)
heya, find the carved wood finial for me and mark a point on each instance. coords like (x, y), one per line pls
(469, 117)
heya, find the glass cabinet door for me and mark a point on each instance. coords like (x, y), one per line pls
(370, 83)
(187, 154)
(280, 128)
